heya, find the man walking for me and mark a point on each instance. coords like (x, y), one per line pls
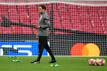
(44, 25)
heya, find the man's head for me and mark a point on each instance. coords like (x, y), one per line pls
(42, 8)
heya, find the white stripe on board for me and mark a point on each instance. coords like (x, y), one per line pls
(49, 2)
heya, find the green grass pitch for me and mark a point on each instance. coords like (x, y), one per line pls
(65, 64)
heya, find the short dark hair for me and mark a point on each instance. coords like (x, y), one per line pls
(43, 7)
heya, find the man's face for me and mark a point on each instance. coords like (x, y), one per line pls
(40, 9)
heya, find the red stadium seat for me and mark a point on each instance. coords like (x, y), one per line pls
(13, 14)
(24, 14)
(6, 30)
(65, 16)
(16, 30)
(27, 30)
(33, 13)
(84, 18)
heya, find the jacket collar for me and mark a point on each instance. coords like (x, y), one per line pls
(42, 13)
